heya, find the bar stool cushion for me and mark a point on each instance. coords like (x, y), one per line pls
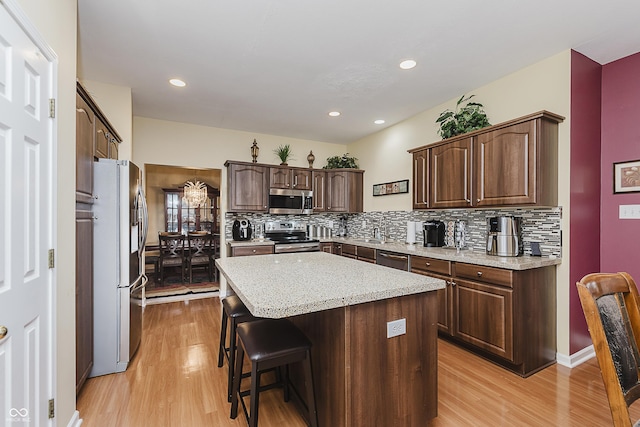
(234, 307)
(272, 339)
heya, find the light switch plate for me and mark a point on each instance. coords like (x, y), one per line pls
(629, 212)
(396, 327)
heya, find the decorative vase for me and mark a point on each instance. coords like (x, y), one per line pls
(284, 164)
(311, 158)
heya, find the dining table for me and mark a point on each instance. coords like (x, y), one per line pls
(373, 331)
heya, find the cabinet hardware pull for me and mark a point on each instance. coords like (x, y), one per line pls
(394, 256)
(428, 264)
(254, 251)
(479, 273)
(453, 283)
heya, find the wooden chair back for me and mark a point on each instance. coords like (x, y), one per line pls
(610, 305)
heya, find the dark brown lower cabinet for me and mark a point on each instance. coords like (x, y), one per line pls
(327, 247)
(504, 315)
(84, 295)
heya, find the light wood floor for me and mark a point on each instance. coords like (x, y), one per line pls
(174, 381)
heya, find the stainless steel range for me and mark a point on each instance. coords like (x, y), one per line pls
(290, 236)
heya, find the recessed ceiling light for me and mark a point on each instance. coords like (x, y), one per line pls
(177, 82)
(407, 64)
(379, 121)
(334, 113)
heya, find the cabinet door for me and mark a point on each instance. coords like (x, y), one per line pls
(248, 188)
(484, 317)
(84, 295)
(337, 249)
(280, 177)
(301, 179)
(319, 199)
(505, 168)
(103, 138)
(421, 179)
(85, 140)
(114, 145)
(326, 247)
(451, 175)
(337, 200)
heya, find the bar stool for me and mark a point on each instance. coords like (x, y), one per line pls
(269, 344)
(232, 308)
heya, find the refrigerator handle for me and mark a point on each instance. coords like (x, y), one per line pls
(145, 219)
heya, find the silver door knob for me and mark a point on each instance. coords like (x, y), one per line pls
(3, 331)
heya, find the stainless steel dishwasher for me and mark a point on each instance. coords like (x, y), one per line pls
(393, 260)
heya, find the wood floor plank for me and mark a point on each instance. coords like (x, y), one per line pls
(174, 380)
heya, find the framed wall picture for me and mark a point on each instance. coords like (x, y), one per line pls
(387, 188)
(626, 177)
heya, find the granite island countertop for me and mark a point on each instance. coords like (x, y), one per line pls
(284, 285)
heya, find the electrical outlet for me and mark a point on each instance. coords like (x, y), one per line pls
(364, 223)
(330, 224)
(396, 327)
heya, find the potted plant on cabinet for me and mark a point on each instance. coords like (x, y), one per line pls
(340, 162)
(464, 119)
(284, 153)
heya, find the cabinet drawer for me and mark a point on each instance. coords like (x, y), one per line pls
(430, 265)
(495, 276)
(366, 254)
(349, 250)
(251, 250)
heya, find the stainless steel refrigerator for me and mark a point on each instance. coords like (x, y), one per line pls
(120, 229)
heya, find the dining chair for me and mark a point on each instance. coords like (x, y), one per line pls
(610, 305)
(201, 253)
(171, 254)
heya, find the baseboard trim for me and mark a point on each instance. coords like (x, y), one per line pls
(576, 358)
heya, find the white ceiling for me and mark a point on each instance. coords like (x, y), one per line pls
(279, 66)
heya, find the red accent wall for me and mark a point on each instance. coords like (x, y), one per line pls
(619, 238)
(586, 76)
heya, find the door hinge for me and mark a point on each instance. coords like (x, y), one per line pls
(52, 408)
(52, 108)
(52, 258)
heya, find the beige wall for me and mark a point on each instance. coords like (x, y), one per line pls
(115, 103)
(545, 85)
(55, 20)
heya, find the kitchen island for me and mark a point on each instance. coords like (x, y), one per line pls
(362, 377)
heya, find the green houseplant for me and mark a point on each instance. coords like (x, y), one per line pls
(284, 153)
(464, 119)
(339, 162)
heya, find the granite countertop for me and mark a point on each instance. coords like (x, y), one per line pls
(449, 254)
(284, 285)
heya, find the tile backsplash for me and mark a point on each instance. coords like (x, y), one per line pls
(541, 225)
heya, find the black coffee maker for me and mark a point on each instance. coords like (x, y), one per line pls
(433, 234)
(241, 229)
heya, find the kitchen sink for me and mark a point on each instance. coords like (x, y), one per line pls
(365, 240)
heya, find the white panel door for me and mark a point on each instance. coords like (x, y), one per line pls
(26, 213)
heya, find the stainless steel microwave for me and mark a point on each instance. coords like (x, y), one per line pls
(288, 201)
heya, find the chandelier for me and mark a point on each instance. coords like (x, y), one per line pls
(195, 194)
